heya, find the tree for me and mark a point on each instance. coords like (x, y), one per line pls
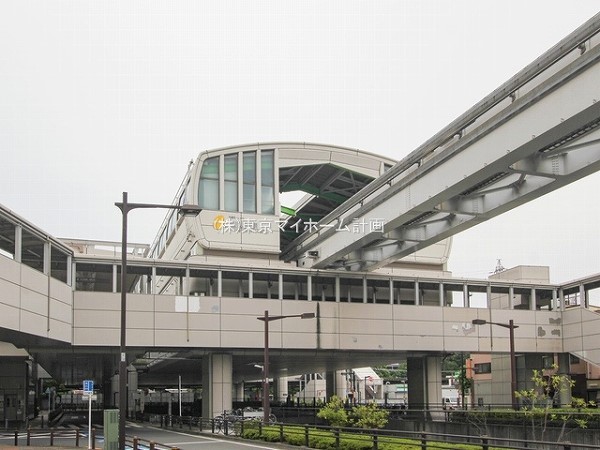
(334, 412)
(369, 416)
(539, 403)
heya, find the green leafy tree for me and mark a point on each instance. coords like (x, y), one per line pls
(369, 416)
(334, 412)
(539, 404)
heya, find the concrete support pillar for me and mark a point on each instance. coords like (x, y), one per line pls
(467, 299)
(217, 382)
(331, 385)
(133, 399)
(511, 297)
(565, 395)
(532, 300)
(281, 389)
(417, 293)
(239, 392)
(424, 382)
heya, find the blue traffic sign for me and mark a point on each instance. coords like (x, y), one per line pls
(88, 387)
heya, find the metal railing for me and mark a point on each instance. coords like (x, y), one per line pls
(306, 435)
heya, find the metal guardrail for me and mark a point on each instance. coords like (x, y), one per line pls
(302, 434)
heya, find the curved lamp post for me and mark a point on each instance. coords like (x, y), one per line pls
(125, 207)
(266, 319)
(513, 362)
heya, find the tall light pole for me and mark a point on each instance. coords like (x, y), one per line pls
(513, 361)
(266, 319)
(125, 207)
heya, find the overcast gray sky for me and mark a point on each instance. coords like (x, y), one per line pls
(101, 97)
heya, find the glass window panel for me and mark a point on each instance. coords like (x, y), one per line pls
(7, 238)
(267, 200)
(208, 188)
(32, 252)
(250, 182)
(267, 182)
(58, 264)
(93, 277)
(231, 182)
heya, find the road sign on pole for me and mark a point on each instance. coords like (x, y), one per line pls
(88, 387)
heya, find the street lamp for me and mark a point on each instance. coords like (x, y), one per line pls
(125, 207)
(513, 362)
(266, 319)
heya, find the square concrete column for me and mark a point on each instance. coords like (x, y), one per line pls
(217, 384)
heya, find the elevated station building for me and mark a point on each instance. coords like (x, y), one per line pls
(364, 248)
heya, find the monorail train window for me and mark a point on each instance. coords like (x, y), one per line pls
(231, 182)
(208, 188)
(250, 182)
(267, 182)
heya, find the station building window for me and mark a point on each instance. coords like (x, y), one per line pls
(249, 182)
(208, 188)
(32, 251)
(247, 177)
(7, 238)
(231, 182)
(267, 182)
(58, 264)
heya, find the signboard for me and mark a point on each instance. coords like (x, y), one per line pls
(88, 387)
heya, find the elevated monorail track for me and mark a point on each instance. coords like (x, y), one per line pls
(532, 135)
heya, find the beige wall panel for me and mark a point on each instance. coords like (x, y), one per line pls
(165, 303)
(140, 302)
(204, 322)
(365, 311)
(573, 344)
(96, 319)
(462, 315)
(410, 312)
(140, 319)
(417, 343)
(366, 342)
(59, 331)
(329, 341)
(246, 339)
(60, 311)
(61, 291)
(548, 345)
(174, 321)
(291, 307)
(366, 326)
(33, 323)
(329, 325)
(91, 336)
(209, 304)
(571, 330)
(10, 293)
(9, 317)
(419, 328)
(141, 338)
(234, 323)
(462, 343)
(176, 338)
(204, 339)
(97, 300)
(34, 280)
(251, 307)
(34, 302)
(298, 340)
(10, 270)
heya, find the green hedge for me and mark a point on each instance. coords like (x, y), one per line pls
(325, 439)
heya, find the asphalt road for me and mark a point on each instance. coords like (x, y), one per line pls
(189, 441)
